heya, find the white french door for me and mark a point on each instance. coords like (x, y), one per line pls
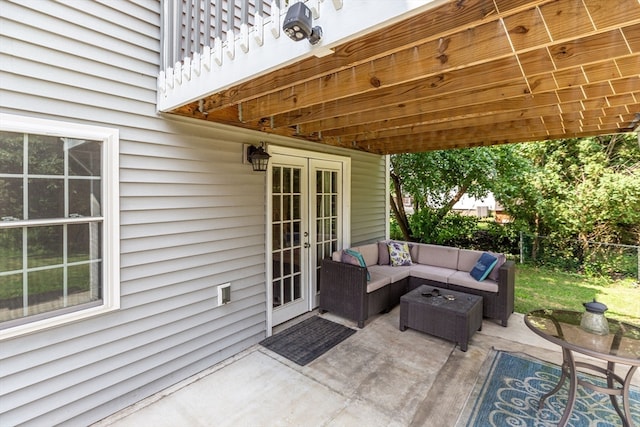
(306, 213)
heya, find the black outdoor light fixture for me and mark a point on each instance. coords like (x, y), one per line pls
(298, 24)
(258, 158)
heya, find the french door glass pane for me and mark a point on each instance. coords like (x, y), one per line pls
(326, 217)
(286, 225)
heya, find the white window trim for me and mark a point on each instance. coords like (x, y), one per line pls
(111, 204)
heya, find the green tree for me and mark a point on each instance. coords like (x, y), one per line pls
(437, 180)
(586, 188)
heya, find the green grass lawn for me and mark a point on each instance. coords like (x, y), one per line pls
(545, 288)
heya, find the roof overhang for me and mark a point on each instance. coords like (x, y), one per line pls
(428, 75)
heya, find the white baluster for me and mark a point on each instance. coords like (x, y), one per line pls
(169, 78)
(244, 38)
(275, 22)
(218, 51)
(206, 58)
(258, 30)
(162, 84)
(186, 68)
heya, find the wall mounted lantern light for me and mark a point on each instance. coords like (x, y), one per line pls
(298, 24)
(258, 158)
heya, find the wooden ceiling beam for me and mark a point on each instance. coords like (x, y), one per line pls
(478, 45)
(449, 107)
(465, 79)
(481, 44)
(448, 18)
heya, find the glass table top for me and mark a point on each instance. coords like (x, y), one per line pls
(562, 327)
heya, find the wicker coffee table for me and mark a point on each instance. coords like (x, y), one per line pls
(428, 310)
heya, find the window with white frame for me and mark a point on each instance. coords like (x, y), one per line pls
(58, 222)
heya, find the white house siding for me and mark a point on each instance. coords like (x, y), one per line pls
(192, 216)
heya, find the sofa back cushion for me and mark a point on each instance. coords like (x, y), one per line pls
(369, 253)
(501, 260)
(467, 259)
(438, 256)
(383, 253)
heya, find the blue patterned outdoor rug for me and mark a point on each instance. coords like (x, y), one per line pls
(510, 393)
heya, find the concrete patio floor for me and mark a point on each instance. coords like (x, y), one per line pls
(379, 376)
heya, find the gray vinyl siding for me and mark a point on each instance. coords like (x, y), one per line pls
(368, 199)
(192, 216)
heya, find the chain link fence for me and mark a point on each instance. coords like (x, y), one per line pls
(587, 257)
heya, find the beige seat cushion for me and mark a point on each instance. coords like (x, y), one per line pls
(377, 281)
(430, 272)
(394, 273)
(463, 278)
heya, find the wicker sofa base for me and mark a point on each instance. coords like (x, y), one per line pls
(343, 291)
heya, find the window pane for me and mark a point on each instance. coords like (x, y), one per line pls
(296, 180)
(296, 207)
(327, 182)
(84, 158)
(46, 156)
(277, 242)
(46, 198)
(12, 207)
(277, 293)
(277, 209)
(11, 249)
(83, 242)
(84, 284)
(11, 297)
(84, 197)
(11, 152)
(277, 175)
(286, 284)
(45, 290)
(286, 207)
(44, 246)
(286, 180)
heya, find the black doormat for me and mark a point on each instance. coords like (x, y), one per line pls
(307, 340)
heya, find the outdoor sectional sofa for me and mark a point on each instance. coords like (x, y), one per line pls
(346, 289)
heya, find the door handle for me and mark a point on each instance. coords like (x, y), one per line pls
(307, 245)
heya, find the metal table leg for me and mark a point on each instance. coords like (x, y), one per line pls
(568, 371)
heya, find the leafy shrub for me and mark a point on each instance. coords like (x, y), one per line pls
(427, 227)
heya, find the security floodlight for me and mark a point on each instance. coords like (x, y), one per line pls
(298, 24)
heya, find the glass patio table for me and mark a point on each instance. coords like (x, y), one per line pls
(621, 346)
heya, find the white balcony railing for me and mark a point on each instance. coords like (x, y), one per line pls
(211, 45)
(189, 26)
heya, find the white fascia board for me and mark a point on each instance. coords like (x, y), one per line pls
(196, 78)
